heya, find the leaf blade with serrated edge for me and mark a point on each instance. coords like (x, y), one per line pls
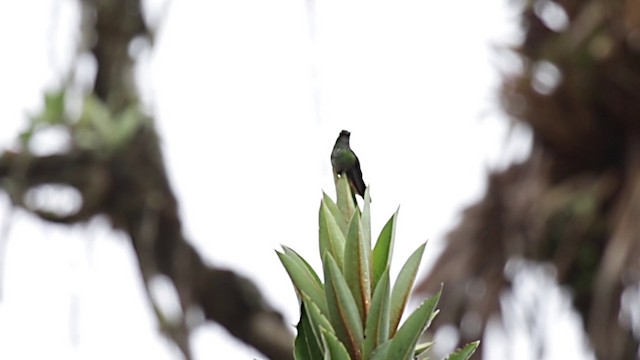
(334, 349)
(317, 319)
(405, 340)
(356, 266)
(306, 346)
(303, 278)
(337, 214)
(464, 353)
(343, 311)
(382, 252)
(332, 238)
(402, 287)
(376, 330)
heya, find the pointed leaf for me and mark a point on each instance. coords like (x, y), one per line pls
(290, 252)
(346, 200)
(376, 331)
(343, 311)
(317, 319)
(421, 348)
(384, 248)
(402, 287)
(464, 353)
(366, 232)
(332, 238)
(306, 346)
(337, 214)
(366, 219)
(405, 340)
(334, 349)
(356, 266)
(303, 278)
(381, 352)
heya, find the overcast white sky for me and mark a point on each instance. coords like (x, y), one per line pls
(243, 88)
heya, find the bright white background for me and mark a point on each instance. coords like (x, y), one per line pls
(249, 97)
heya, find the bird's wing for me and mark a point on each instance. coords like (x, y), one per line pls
(355, 178)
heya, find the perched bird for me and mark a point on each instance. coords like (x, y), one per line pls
(345, 161)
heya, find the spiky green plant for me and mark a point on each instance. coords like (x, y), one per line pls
(355, 314)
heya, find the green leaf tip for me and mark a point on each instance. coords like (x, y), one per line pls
(356, 313)
(403, 286)
(464, 353)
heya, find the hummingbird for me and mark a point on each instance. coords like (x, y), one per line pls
(344, 161)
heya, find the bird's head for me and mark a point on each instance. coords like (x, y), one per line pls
(343, 138)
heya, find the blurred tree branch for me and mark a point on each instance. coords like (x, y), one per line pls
(575, 202)
(126, 180)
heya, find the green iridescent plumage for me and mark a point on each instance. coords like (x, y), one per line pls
(345, 161)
